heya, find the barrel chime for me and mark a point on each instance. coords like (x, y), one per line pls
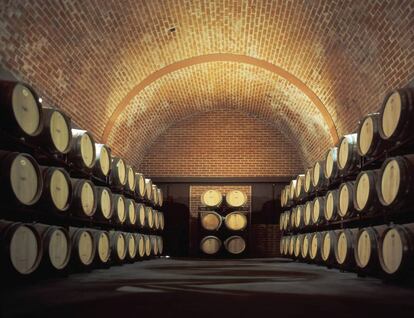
(67, 202)
(232, 210)
(353, 210)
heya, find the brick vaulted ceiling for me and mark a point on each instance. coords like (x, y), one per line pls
(127, 70)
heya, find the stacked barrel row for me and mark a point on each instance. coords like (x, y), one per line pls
(38, 248)
(229, 209)
(53, 173)
(366, 180)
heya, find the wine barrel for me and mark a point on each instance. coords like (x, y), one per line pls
(292, 243)
(83, 247)
(148, 189)
(281, 245)
(57, 189)
(344, 247)
(149, 217)
(103, 161)
(346, 199)
(147, 243)
(84, 201)
(307, 217)
(140, 185)
(118, 172)
(139, 239)
(397, 115)
(236, 221)
(331, 205)
(308, 185)
(299, 189)
(56, 135)
(56, 246)
(396, 250)
(21, 180)
(236, 198)
(141, 215)
(20, 111)
(348, 157)
(318, 212)
(319, 181)
(395, 186)
(162, 221)
(286, 244)
(156, 220)
(331, 164)
(287, 220)
(210, 221)
(328, 242)
(82, 153)
(160, 245)
(154, 195)
(315, 247)
(105, 204)
(292, 189)
(292, 219)
(299, 217)
(365, 194)
(102, 246)
(211, 198)
(298, 245)
(154, 245)
(366, 247)
(370, 143)
(131, 182)
(120, 208)
(131, 245)
(118, 246)
(235, 245)
(21, 248)
(304, 250)
(160, 197)
(282, 198)
(210, 245)
(131, 216)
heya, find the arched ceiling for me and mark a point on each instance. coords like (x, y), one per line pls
(89, 57)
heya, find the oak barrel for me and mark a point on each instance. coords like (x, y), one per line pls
(118, 246)
(21, 179)
(103, 246)
(210, 221)
(315, 247)
(346, 199)
(131, 246)
(318, 207)
(396, 250)
(105, 204)
(348, 157)
(236, 198)
(236, 221)
(103, 161)
(160, 197)
(210, 245)
(120, 209)
(156, 220)
(131, 212)
(331, 164)
(118, 172)
(148, 189)
(139, 239)
(83, 247)
(84, 202)
(131, 182)
(141, 215)
(292, 243)
(308, 185)
(331, 205)
(370, 143)
(397, 115)
(235, 244)
(281, 245)
(307, 217)
(154, 245)
(57, 189)
(299, 189)
(292, 189)
(298, 245)
(147, 244)
(56, 135)
(211, 198)
(283, 202)
(286, 244)
(21, 247)
(395, 185)
(287, 220)
(82, 153)
(155, 195)
(328, 242)
(20, 111)
(304, 251)
(149, 217)
(160, 245)
(318, 177)
(292, 219)
(366, 247)
(344, 247)
(365, 193)
(140, 185)
(299, 217)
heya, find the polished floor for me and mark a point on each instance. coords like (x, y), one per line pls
(210, 288)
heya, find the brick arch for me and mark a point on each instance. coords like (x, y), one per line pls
(221, 57)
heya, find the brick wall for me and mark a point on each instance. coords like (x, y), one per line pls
(195, 194)
(87, 56)
(265, 240)
(225, 144)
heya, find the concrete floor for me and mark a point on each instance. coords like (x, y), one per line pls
(207, 288)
